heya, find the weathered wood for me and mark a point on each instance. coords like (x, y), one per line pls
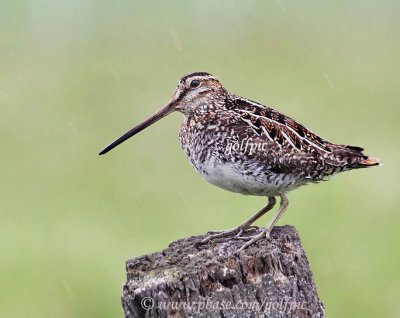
(268, 279)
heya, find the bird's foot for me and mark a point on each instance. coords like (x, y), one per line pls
(239, 229)
(265, 232)
(237, 232)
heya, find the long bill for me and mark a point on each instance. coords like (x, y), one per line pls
(169, 108)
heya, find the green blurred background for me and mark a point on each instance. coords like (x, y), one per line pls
(74, 75)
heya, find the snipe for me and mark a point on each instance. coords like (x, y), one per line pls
(246, 147)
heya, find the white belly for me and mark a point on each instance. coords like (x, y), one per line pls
(232, 177)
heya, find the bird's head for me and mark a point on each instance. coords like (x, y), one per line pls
(193, 90)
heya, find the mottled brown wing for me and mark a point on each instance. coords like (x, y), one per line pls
(269, 145)
(292, 137)
(279, 124)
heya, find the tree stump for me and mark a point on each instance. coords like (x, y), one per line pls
(271, 278)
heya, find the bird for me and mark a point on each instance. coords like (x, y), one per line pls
(248, 148)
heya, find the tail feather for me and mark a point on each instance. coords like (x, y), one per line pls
(355, 148)
(354, 158)
(370, 162)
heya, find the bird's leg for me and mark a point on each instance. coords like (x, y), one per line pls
(242, 227)
(267, 230)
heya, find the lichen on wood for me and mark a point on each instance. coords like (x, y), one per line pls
(271, 278)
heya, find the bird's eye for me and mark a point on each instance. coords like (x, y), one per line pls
(195, 83)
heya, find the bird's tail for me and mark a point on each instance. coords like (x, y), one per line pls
(370, 162)
(358, 160)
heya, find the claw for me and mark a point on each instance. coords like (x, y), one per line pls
(253, 227)
(214, 232)
(221, 234)
(244, 238)
(251, 239)
(239, 233)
